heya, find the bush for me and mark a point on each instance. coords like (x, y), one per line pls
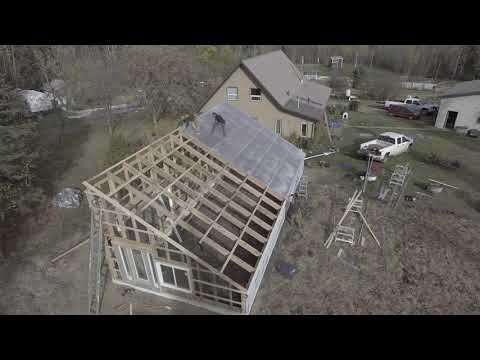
(358, 76)
(293, 138)
(338, 82)
(353, 105)
(381, 86)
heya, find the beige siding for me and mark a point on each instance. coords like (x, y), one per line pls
(264, 111)
(468, 108)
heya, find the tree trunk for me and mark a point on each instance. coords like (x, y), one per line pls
(14, 66)
(436, 71)
(155, 117)
(371, 58)
(456, 64)
(108, 109)
(68, 98)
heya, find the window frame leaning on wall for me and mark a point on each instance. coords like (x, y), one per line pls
(159, 263)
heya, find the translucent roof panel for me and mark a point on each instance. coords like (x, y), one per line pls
(251, 147)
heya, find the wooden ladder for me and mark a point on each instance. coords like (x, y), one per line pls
(96, 276)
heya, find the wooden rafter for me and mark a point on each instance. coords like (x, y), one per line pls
(195, 179)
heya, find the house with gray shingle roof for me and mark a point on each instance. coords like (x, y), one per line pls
(460, 106)
(271, 89)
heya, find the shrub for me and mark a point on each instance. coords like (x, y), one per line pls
(381, 86)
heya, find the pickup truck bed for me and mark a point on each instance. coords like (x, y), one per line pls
(388, 144)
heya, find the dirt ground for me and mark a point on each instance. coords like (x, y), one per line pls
(30, 283)
(428, 263)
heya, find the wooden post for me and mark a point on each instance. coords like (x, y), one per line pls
(328, 127)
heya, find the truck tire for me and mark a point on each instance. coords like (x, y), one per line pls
(385, 158)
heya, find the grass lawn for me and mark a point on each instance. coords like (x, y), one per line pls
(369, 122)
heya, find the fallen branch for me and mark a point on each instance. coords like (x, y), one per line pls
(69, 250)
(438, 182)
(422, 194)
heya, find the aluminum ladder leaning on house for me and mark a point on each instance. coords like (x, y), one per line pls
(303, 187)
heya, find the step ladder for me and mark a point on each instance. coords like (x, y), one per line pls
(357, 206)
(397, 184)
(399, 175)
(303, 187)
(345, 234)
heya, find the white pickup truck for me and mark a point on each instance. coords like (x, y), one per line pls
(423, 106)
(387, 144)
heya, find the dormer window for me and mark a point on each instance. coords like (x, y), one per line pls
(255, 94)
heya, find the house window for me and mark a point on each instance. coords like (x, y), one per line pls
(255, 94)
(232, 93)
(139, 264)
(278, 127)
(126, 265)
(173, 276)
(303, 130)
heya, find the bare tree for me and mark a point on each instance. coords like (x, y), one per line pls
(167, 76)
(100, 75)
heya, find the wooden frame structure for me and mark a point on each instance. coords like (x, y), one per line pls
(178, 202)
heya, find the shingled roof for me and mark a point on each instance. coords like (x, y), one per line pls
(465, 88)
(281, 79)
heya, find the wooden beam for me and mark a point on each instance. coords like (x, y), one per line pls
(146, 148)
(163, 236)
(220, 214)
(249, 248)
(215, 246)
(243, 174)
(242, 263)
(240, 237)
(138, 175)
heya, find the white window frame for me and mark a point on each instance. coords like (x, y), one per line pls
(151, 265)
(122, 257)
(137, 278)
(170, 201)
(278, 123)
(229, 98)
(255, 97)
(306, 130)
(162, 283)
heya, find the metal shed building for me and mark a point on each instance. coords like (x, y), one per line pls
(460, 106)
